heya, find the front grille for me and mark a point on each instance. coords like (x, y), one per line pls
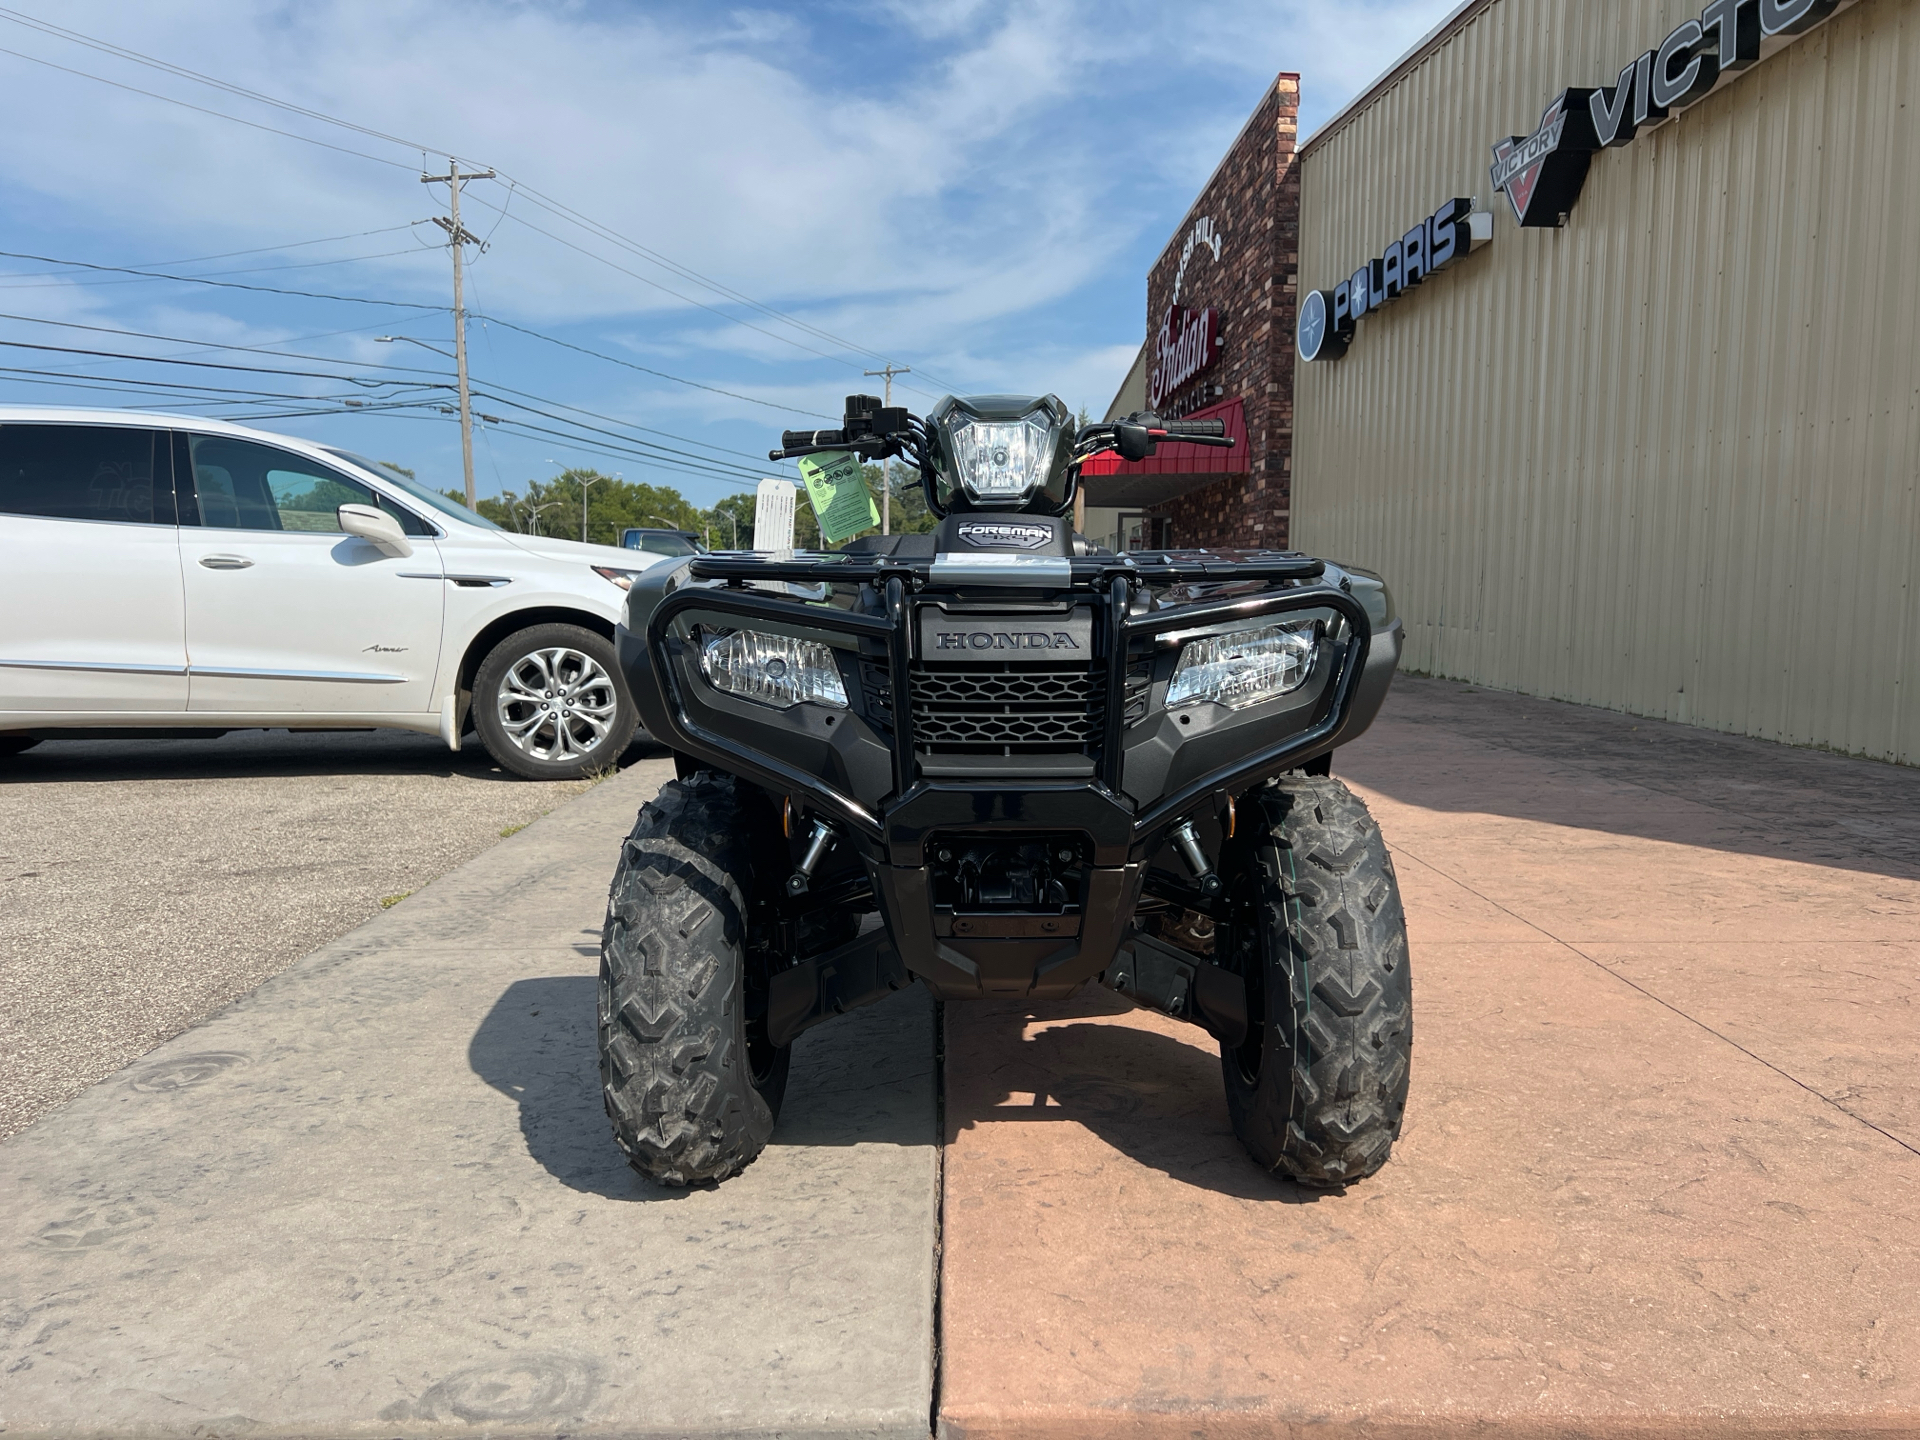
(1005, 711)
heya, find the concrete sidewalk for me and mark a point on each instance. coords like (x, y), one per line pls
(378, 1197)
(1661, 1167)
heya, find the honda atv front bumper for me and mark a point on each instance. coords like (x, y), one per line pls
(1051, 733)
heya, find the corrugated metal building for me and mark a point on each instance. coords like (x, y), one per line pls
(1663, 455)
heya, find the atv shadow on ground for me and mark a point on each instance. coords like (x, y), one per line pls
(864, 1079)
(1155, 1095)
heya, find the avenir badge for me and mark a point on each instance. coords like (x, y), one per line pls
(1542, 173)
(1003, 535)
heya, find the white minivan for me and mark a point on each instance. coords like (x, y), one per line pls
(166, 572)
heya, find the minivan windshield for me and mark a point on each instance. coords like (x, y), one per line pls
(414, 489)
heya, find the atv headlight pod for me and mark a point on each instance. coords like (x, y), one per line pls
(1002, 452)
(1246, 665)
(1002, 460)
(776, 670)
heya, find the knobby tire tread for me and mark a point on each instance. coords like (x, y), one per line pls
(674, 1064)
(1332, 1089)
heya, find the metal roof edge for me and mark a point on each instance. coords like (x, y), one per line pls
(1425, 46)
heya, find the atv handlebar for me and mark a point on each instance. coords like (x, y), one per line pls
(811, 439)
(878, 432)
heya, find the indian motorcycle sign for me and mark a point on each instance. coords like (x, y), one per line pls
(1187, 343)
(1542, 174)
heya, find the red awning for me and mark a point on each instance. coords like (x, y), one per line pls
(1174, 468)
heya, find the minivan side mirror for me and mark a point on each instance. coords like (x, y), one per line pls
(377, 527)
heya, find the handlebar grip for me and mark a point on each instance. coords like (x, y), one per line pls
(800, 439)
(1214, 428)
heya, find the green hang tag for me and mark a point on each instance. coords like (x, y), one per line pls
(838, 491)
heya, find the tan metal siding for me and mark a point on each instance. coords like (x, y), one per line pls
(1666, 460)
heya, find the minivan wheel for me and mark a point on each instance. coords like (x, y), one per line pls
(550, 703)
(1317, 1089)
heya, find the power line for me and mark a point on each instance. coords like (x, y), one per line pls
(216, 345)
(687, 299)
(718, 466)
(148, 279)
(408, 370)
(176, 395)
(201, 109)
(179, 386)
(263, 249)
(606, 232)
(205, 364)
(615, 360)
(415, 305)
(155, 63)
(639, 448)
(220, 284)
(548, 203)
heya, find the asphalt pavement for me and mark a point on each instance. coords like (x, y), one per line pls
(146, 883)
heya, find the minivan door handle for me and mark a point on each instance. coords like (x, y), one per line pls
(225, 562)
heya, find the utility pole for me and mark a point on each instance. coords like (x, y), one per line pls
(457, 238)
(886, 471)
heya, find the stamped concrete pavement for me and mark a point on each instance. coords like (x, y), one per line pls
(377, 1197)
(1660, 1172)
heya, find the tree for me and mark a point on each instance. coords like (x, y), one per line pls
(730, 522)
(910, 513)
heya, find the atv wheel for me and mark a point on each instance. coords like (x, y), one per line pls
(691, 1092)
(1318, 1087)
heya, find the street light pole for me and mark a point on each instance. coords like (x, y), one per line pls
(886, 466)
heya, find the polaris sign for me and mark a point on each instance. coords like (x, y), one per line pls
(1328, 317)
(1542, 174)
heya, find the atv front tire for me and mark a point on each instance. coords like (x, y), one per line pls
(1318, 1088)
(691, 1093)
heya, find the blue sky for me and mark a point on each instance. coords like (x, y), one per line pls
(972, 189)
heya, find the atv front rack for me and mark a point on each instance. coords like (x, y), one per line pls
(1171, 567)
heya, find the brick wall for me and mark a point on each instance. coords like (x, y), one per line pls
(1254, 202)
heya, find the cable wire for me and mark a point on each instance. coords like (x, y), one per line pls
(545, 202)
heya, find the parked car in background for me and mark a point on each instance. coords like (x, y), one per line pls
(663, 542)
(164, 572)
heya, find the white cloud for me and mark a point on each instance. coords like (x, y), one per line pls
(977, 185)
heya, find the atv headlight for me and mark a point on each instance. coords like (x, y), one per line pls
(1001, 460)
(1242, 667)
(775, 670)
